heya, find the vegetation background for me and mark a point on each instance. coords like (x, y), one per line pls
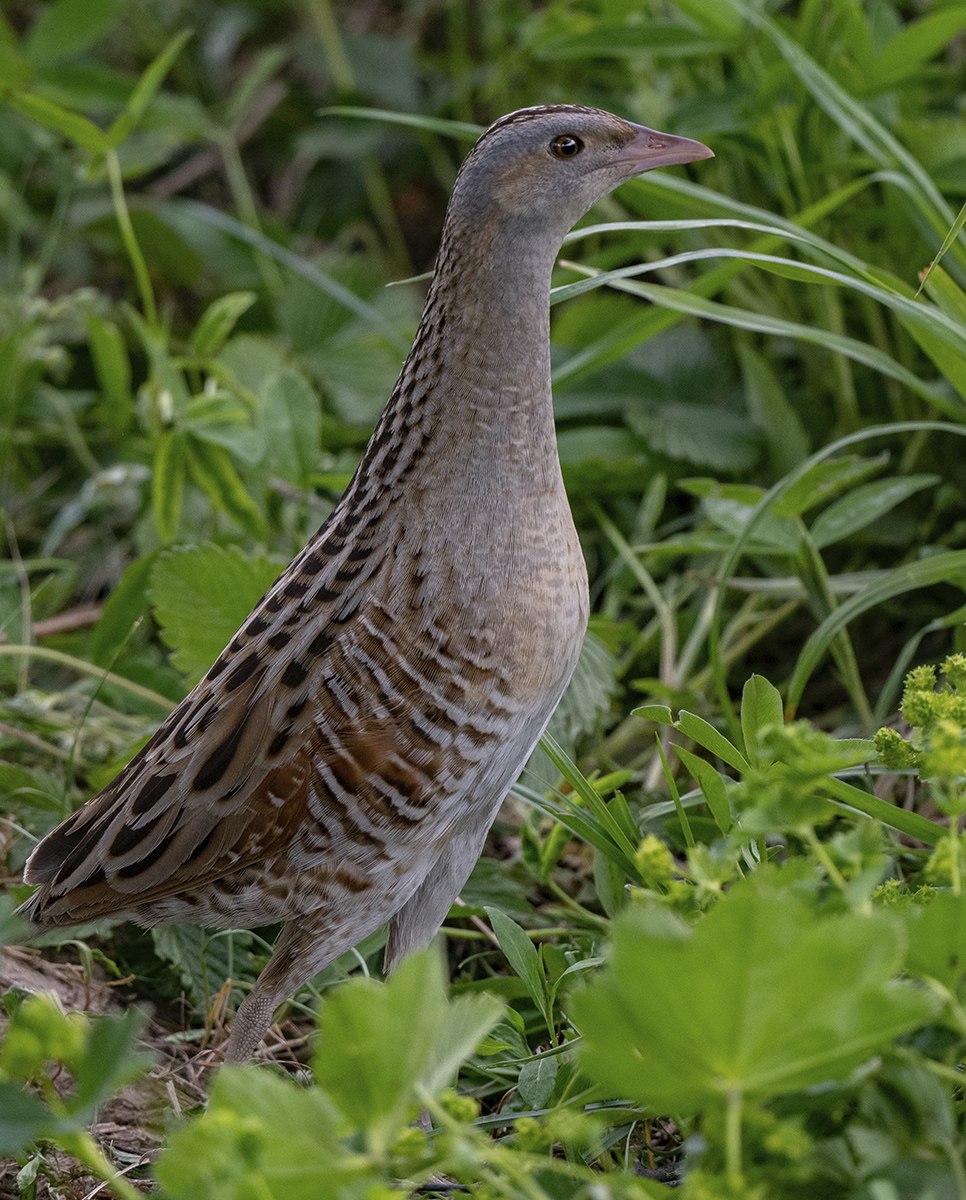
(760, 413)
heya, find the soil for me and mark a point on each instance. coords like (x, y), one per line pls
(132, 1126)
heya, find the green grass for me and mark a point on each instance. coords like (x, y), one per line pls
(718, 935)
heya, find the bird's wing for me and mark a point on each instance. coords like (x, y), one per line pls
(324, 738)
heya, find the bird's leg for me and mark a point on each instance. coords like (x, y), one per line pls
(306, 945)
(301, 951)
(248, 1027)
(416, 923)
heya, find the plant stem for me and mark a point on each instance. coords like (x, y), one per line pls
(86, 668)
(733, 1139)
(823, 856)
(138, 265)
(83, 1147)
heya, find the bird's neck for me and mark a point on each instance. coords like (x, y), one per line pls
(473, 400)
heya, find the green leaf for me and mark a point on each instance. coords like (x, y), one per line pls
(202, 960)
(949, 567)
(767, 995)
(223, 419)
(910, 823)
(610, 883)
(380, 1042)
(603, 40)
(700, 731)
(536, 1080)
(700, 433)
(761, 706)
(291, 424)
(457, 129)
(264, 1136)
(144, 90)
(41, 1031)
(109, 1060)
(586, 827)
(113, 369)
(937, 938)
(775, 533)
(915, 42)
(660, 714)
(608, 834)
(125, 606)
(712, 787)
(23, 1119)
(68, 28)
(201, 595)
(167, 483)
(213, 470)
(217, 322)
(772, 411)
(13, 928)
(824, 480)
(521, 954)
(680, 301)
(466, 1021)
(75, 128)
(864, 505)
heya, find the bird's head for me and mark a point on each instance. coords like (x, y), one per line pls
(545, 167)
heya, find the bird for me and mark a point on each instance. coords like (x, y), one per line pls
(338, 767)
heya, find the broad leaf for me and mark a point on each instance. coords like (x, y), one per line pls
(761, 706)
(765, 996)
(379, 1043)
(218, 321)
(265, 1136)
(201, 595)
(520, 954)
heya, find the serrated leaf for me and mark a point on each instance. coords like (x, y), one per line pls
(700, 433)
(266, 1136)
(766, 995)
(291, 423)
(201, 595)
(201, 960)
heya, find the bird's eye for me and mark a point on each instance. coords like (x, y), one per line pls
(566, 146)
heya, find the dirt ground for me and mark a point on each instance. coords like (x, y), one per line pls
(132, 1126)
